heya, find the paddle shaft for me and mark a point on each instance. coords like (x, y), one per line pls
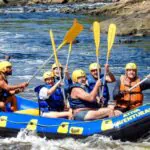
(68, 57)
(57, 61)
(38, 70)
(62, 89)
(104, 81)
(69, 37)
(96, 33)
(44, 64)
(110, 39)
(97, 60)
(139, 83)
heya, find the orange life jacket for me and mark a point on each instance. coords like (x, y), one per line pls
(131, 99)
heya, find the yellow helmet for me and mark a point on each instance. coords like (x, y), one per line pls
(131, 66)
(94, 66)
(4, 65)
(77, 73)
(48, 74)
(55, 66)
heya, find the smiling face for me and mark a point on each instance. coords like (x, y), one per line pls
(49, 81)
(56, 71)
(94, 73)
(93, 69)
(82, 80)
(131, 73)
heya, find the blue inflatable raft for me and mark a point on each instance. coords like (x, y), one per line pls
(130, 126)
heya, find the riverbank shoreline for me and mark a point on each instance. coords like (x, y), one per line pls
(131, 16)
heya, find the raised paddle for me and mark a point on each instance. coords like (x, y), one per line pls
(110, 40)
(75, 30)
(147, 77)
(68, 57)
(56, 60)
(96, 32)
(74, 35)
(69, 37)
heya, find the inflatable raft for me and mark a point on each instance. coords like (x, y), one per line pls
(130, 126)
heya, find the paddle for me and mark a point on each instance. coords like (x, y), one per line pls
(96, 32)
(74, 35)
(69, 37)
(147, 77)
(68, 57)
(30, 111)
(110, 40)
(74, 31)
(56, 60)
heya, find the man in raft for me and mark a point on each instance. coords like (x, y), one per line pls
(126, 99)
(50, 96)
(7, 91)
(93, 77)
(83, 103)
(67, 81)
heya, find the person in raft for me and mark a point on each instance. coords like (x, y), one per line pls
(93, 77)
(67, 81)
(7, 98)
(124, 98)
(83, 103)
(50, 97)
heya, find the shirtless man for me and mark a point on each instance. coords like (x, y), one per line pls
(7, 91)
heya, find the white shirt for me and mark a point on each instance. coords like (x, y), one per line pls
(43, 93)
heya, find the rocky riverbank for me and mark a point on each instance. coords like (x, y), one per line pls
(31, 2)
(131, 16)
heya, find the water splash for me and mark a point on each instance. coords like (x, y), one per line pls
(30, 141)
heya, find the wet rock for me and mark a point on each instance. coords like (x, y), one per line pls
(128, 41)
(2, 3)
(94, 1)
(31, 2)
(57, 1)
(76, 41)
(12, 2)
(131, 17)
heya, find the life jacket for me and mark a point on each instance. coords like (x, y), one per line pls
(91, 84)
(131, 99)
(67, 84)
(53, 103)
(78, 103)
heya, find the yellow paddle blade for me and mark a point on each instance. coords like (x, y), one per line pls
(54, 47)
(34, 112)
(73, 32)
(111, 37)
(96, 32)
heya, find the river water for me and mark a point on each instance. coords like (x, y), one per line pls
(24, 35)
